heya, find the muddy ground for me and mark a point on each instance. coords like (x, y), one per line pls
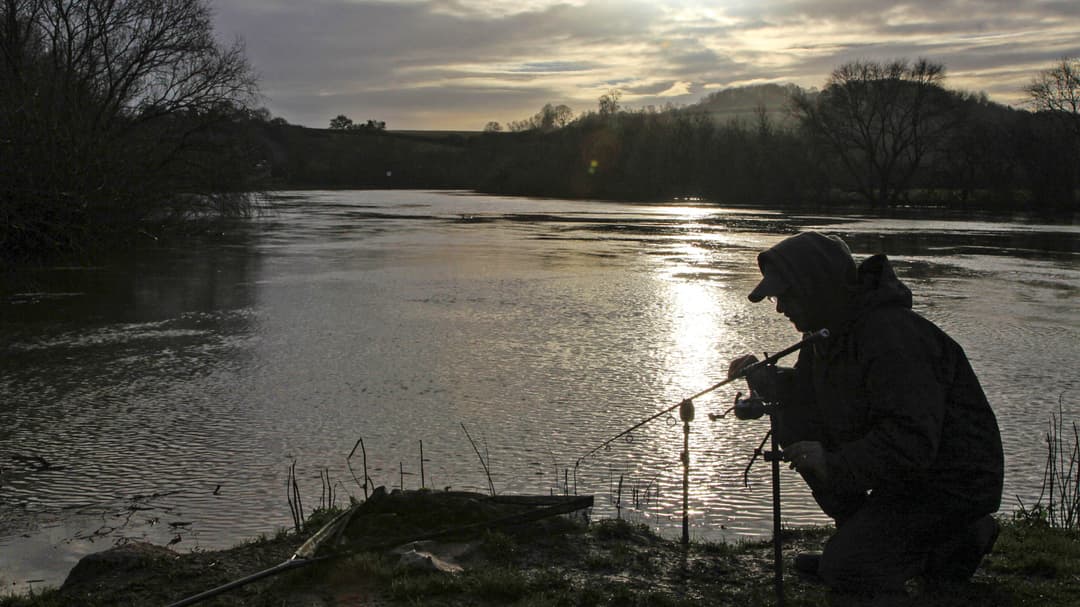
(562, 560)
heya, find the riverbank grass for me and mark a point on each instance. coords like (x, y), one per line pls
(565, 563)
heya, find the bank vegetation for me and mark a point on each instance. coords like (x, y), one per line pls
(608, 562)
(550, 562)
(117, 117)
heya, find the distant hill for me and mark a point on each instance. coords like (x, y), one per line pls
(742, 103)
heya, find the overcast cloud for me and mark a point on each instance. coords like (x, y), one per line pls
(458, 64)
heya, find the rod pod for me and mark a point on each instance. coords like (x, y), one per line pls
(686, 414)
(773, 456)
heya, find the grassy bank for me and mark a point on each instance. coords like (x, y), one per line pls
(561, 562)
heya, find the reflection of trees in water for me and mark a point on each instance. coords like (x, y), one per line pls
(113, 362)
(213, 277)
(122, 331)
(1043, 246)
(194, 274)
(1031, 245)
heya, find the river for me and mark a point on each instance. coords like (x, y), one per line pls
(164, 396)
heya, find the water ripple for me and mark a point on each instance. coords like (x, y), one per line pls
(167, 398)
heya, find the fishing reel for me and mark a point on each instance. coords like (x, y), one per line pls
(751, 407)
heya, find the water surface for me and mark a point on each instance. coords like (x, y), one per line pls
(163, 397)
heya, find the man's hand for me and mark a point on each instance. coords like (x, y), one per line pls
(767, 381)
(736, 366)
(808, 457)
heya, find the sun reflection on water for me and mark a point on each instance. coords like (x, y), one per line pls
(694, 359)
(547, 328)
(692, 355)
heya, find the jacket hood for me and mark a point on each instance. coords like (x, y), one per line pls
(820, 271)
(808, 263)
(879, 285)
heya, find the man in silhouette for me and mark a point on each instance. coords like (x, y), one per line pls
(884, 419)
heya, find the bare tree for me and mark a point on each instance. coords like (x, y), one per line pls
(519, 126)
(1058, 88)
(563, 116)
(880, 120)
(609, 102)
(107, 107)
(553, 117)
(549, 118)
(341, 122)
(137, 59)
(1055, 95)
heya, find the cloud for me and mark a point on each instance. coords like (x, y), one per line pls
(677, 89)
(549, 67)
(460, 63)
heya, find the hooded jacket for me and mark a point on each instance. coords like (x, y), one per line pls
(892, 398)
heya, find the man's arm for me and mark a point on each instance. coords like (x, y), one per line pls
(906, 412)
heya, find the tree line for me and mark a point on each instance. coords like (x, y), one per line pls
(877, 133)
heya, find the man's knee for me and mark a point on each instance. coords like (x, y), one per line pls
(847, 573)
(957, 558)
(859, 562)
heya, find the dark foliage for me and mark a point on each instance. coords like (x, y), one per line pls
(115, 115)
(299, 157)
(996, 157)
(879, 134)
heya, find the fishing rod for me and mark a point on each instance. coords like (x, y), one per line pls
(686, 403)
(686, 415)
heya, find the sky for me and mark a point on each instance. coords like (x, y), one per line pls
(459, 64)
